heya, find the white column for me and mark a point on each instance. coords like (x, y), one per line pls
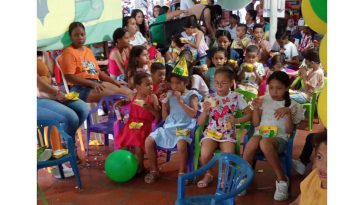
(273, 20)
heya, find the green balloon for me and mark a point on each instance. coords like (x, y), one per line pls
(320, 8)
(121, 166)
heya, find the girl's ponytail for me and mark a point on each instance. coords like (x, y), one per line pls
(287, 99)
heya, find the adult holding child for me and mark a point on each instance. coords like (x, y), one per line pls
(81, 71)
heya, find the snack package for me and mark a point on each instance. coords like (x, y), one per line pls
(248, 67)
(205, 68)
(268, 131)
(182, 132)
(183, 40)
(135, 125)
(214, 134)
(233, 62)
(139, 102)
(72, 96)
(212, 101)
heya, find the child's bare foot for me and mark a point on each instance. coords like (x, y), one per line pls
(207, 179)
(151, 177)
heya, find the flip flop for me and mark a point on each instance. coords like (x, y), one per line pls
(205, 183)
(151, 177)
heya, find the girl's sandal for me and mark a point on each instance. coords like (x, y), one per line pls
(207, 179)
(151, 177)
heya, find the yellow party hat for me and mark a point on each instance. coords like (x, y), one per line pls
(181, 68)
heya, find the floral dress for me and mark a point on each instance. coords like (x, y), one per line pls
(218, 128)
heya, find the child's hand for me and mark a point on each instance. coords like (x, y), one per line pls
(206, 106)
(163, 98)
(257, 103)
(164, 86)
(254, 68)
(303, 72)
(261, 45)
(61, 97)
(281, 112)
(177, 94)
(232, 120)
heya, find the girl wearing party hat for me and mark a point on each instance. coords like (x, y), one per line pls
(179, 109)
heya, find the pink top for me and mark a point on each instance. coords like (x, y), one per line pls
(113, 66)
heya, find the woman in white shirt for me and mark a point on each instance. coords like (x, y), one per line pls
(136, 38)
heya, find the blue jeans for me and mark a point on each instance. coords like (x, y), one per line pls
(298, 97)
(71, 114)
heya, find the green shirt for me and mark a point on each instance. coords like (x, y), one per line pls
(158, 30)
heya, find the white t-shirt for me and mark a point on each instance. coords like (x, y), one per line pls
(249, 77)
(139, 39)
(186, 4)
(199, 84)
(268, 109)
(290, 49)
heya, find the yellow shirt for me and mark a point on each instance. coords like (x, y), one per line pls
(245, 41)
(311, 191)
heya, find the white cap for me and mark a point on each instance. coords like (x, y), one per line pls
(301, 22)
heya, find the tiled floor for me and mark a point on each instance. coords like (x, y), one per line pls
(98, 189)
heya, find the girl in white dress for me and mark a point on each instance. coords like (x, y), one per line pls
(274, 117)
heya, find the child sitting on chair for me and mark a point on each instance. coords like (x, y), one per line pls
(275, 116)
(179, 108)
(175, 49)
(314, 186)
(220, 108)
(251, 72)
(312, 75)
(144, 109)
(158, 71)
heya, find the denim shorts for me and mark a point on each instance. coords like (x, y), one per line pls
(282, 143)
(84, 91)
(298, 97)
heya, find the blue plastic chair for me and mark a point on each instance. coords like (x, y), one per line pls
(70, 157)
(107, 104)
(239, 130)
(232, 170)
(191, 148)
(285, 157)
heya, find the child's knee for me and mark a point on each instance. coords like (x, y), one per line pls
(250, 149)
(182, 146)
(149, 142)
(265, 145)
